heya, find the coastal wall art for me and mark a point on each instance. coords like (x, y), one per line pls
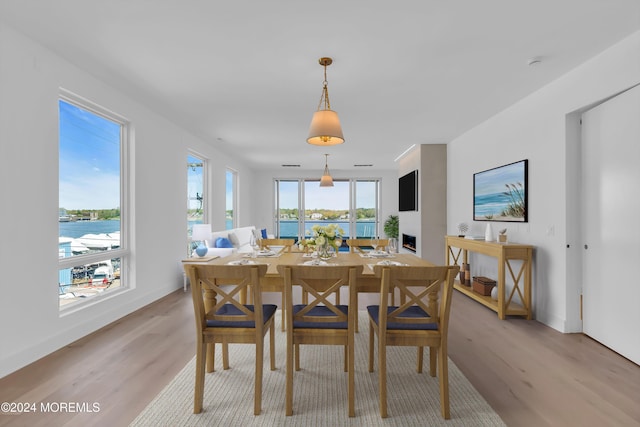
(500, 194)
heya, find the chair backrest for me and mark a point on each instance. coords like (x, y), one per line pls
(227, 282)
(319, 282)
(356, 245)
(429, 288)
(286, 244)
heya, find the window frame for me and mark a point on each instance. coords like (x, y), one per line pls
(123, 252)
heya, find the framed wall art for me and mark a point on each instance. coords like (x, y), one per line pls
(500, 194)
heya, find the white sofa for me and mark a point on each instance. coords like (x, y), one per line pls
(239, 238)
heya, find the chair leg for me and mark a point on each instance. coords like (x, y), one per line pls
(420, 359)
(355, 305)
(443, 368)
(257, 398)
(346, 358)
(210, 356)
(272, 347)
(371, 344)
(297, 355)
(289, 376)
(201, 357)
(433, 360)
(352, 383)
(225, 355)
(283, 317)
(382, 378)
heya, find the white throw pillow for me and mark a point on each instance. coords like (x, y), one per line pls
(234, 240)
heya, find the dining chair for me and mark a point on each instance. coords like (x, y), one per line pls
(357, 245)
(284, 245)
(319, 322)
(423, 320)
(228, 321)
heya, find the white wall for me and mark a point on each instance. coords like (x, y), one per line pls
(30, 323)
(541, 128)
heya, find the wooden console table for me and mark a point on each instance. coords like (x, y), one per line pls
(504, 252)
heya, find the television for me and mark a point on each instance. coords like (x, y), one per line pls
(408, 192)
(500, 194)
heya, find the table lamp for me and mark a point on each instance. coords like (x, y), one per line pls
(201, 232)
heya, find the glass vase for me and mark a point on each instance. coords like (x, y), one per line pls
(324, 252)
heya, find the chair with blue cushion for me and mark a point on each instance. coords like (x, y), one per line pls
(422, 320)
(228, 321)
(320, 321)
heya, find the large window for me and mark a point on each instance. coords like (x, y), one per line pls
(353, 204)
(92, 248)
(196, 187)
(231, 217)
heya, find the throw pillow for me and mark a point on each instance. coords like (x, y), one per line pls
(223, 242)
(234, 240)
(264, 233)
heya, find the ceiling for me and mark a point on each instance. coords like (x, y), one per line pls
(244, 75)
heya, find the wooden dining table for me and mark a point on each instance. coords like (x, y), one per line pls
(273, 282)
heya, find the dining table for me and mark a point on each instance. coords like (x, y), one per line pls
(272, 281)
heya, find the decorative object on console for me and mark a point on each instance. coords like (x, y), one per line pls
(483, 285)
(500, 194)
(463, 227)
(467, 274)
(325, 126)
(326, 180)
(502, 236)
(201, 232)
(488, 233)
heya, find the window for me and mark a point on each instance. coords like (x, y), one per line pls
(196, 186)
(231, 219)
(352, 204)
(92, 248)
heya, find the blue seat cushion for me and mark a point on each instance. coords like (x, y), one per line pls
(268, 310)
(223, 242)
(413, 312)
(263, 233)
(320, 310)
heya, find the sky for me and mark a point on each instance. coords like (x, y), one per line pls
(90, 170)
(333, 198)
(494, 180)
(89, 160)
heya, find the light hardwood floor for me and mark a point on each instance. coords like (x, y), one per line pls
(530, 374)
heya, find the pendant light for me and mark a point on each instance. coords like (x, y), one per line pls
(326, 180)
(325, 125)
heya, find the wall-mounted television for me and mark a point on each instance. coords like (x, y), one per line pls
(408, 192)
(500, 194)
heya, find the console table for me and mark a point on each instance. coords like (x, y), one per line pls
(505, 253)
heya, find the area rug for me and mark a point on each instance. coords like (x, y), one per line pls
(320, 391)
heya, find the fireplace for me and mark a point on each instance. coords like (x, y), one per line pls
(409, 242)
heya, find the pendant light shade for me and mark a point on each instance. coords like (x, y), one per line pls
(325, 126)
(326, 180)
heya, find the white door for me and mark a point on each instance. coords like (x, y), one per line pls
(611, 223)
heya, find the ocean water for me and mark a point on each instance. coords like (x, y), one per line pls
(490, 204)
(289, 229)
(364, 229)
(78, 229)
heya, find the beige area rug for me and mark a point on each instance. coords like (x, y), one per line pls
(320, 391)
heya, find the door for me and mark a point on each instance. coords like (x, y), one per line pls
(611, 224)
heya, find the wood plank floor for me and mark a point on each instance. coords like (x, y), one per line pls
(530, 374)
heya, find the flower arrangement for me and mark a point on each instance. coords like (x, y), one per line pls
(325, 236)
